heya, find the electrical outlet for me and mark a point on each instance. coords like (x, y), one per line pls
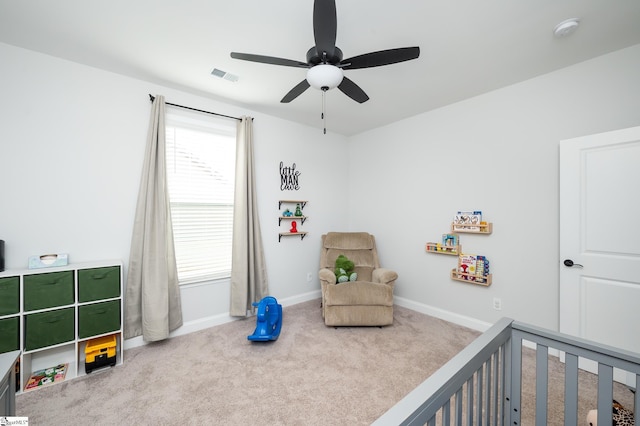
(497, 304)
(309, 277)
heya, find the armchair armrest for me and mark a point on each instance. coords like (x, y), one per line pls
(327, 276)
(384, 276)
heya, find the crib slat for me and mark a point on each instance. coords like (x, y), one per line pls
(487, 399)
(605, 393)
(446, 413)
(458, 420)
(542, 382)
(479, 386)
(469, 408)
(494, 390)
(571, 390)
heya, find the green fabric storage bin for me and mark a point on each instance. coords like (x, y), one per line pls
(98, 318)
(42, 291)
(9, 295)
(49, 328)
(98, 283)
(9, 334)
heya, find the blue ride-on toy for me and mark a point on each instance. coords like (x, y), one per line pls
(269, 320)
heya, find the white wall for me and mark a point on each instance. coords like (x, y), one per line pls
(497, 153)
(72, 139)
(71, 145)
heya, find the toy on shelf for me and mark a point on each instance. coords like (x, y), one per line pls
(287, 213)
(450, 245)
(100, 352)
(294, 227)
(269, 320)
(298, 210)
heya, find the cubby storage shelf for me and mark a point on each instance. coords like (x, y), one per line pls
(484, 281)
(440, 249)
(478, 228)
(50, 314)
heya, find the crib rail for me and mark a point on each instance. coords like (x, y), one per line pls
(482, 385)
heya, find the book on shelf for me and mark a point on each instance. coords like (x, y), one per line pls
(47, 376)
(473, 267)
(467, 265)
(450, 242)
(465, 220)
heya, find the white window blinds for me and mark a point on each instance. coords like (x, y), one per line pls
(201, 174)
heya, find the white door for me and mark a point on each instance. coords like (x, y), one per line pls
(600, 234)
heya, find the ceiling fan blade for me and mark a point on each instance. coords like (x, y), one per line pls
(383, 57)
(269, 60)
(325, 25)
(296, 91)
(352, 90)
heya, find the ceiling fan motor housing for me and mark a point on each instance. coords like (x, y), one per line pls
(314, 58)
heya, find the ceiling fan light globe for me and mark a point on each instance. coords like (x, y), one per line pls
(324, 76)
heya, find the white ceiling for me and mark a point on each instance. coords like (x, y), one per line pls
(468, 47)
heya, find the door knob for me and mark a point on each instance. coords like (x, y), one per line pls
(570, 264)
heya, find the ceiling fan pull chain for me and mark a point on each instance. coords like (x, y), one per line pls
(323, 116)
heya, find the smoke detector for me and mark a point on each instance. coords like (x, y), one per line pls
(566, 27)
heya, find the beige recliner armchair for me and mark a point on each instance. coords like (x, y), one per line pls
(366, 301)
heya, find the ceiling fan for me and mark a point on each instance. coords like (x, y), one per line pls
(324, 60)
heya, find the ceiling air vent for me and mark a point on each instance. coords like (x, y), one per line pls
(223, 74)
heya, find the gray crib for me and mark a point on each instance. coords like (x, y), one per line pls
(482, 385)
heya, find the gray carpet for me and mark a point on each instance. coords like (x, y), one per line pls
(312, 375)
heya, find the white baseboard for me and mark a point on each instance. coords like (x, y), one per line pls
(452, 317)
(305, 297)
(214, 320)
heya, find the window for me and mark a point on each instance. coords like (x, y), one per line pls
(201, 153)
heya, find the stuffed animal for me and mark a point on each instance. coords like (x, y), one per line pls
(344, 270)
(620, 416)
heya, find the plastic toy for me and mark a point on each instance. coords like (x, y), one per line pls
(269, 320)
(294, 227)
(298, 210)
(287, 213)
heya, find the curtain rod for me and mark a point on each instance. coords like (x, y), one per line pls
(151, 97)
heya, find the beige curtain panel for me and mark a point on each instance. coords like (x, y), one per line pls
(152, 303)
(248, 268)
